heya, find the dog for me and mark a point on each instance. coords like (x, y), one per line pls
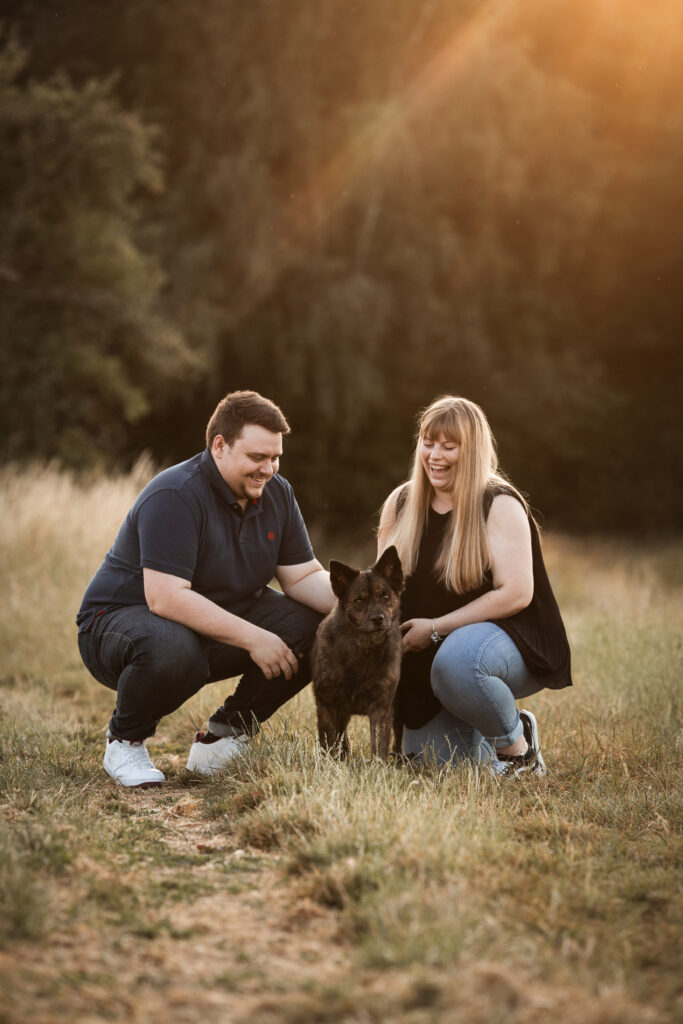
(357, 654)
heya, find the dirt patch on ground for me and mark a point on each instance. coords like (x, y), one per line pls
(214, 957)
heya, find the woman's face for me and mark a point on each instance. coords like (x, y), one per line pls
(439, 456)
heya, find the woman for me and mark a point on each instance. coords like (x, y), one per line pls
(481, 627)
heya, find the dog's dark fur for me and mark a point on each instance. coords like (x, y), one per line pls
(357, 653)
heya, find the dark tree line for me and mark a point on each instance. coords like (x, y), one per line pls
(351, 207)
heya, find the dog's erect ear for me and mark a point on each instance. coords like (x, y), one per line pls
(341, 577)
(389, 566)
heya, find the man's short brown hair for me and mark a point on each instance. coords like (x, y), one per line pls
(240, 408)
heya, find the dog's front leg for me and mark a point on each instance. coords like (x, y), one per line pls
(380, 733)
(332, 731)
(398, 727)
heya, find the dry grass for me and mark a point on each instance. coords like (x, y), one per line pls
(298, 889)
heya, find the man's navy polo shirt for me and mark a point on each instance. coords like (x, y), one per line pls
(187, 522)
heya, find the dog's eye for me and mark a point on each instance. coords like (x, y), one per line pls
(358, 601)
(385, 596)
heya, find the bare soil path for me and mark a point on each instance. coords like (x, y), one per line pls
(217, 957)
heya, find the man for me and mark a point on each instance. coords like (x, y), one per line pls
(182, 597)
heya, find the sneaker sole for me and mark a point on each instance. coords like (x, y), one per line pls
(136, 785)
(149, 784)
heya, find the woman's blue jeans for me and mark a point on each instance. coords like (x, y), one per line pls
(477, 675)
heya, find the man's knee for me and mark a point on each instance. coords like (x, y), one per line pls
(306, 627)
(293, 622)
(171, 652)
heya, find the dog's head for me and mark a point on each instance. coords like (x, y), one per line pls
(370, 600)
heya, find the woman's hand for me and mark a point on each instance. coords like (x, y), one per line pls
(417, 634)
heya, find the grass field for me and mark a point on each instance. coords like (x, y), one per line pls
(298, 889)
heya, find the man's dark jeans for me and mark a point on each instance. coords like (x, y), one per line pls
(155, 665)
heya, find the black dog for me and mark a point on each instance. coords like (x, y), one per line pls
(357, 653)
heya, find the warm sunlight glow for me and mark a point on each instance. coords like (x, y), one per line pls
(627, 54)
(384, 129)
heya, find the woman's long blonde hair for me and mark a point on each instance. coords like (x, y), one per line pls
(464, 556)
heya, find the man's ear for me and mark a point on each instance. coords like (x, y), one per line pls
(218, 444)
(341, 577)
(389, 566)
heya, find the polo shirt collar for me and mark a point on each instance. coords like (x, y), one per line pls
(223, 490)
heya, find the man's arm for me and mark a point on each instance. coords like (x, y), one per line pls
(172, 597)
(307, 583)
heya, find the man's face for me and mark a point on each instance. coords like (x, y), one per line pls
(248, 464)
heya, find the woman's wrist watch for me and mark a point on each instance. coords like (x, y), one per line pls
(436, 638)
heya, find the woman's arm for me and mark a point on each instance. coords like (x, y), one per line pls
(509, 537)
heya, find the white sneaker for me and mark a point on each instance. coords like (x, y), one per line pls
(209, 758)
(129, 764)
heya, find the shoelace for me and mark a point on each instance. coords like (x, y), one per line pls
(136, 753)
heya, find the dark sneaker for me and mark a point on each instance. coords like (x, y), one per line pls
(530, 763)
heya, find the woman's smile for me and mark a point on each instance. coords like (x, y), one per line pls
(439, 456)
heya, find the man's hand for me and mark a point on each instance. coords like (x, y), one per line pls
(272, 655)
(417, 634)
(173, 598)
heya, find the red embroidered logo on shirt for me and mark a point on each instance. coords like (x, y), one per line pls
(271, 536)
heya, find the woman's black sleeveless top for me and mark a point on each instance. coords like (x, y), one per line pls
(537, 630)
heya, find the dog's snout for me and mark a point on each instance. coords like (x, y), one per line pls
(378, 619)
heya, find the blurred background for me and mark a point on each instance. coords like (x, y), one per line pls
(352, 208)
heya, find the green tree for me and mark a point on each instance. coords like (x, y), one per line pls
(83, 342)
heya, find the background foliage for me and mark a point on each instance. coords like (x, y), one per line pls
(352, 208)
